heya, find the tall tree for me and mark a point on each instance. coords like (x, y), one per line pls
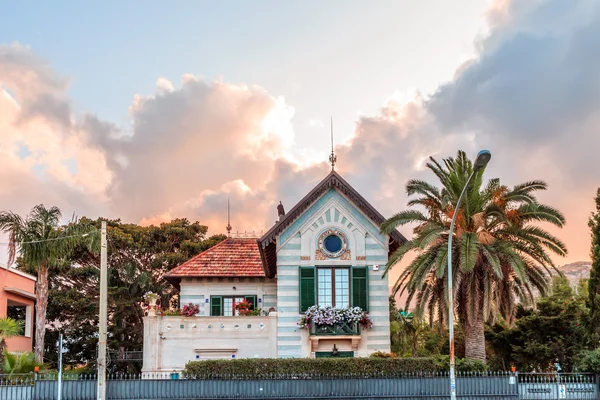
(594, 283)
(500, 254)
(138, 257)
(42, 242)
(8, 328)
(552, 333)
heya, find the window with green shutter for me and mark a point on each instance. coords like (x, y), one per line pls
(360, 288)
(307, 288)
(216, 308)
(252, 301)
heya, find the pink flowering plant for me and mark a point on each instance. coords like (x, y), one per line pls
(189, 310)
(330, 316)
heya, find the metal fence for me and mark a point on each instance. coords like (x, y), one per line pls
(486, 386)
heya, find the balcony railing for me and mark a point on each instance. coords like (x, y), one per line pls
(340, 329)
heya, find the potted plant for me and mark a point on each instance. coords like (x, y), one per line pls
(151, 298)
(189, 310)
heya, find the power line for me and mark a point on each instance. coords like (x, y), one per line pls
(51, 239)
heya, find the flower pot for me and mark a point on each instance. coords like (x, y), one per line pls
(152, 309)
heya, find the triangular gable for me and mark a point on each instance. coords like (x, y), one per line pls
(267, 243)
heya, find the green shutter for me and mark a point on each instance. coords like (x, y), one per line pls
(307, 288)
(251, 300)
(360, 288)
(216, 308)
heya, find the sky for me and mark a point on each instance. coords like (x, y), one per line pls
(148, 111)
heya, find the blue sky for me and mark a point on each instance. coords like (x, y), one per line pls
(317, 55)
(172, 108)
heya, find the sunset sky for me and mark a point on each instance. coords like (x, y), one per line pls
(148, 111)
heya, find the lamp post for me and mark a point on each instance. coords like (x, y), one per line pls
(483, 157)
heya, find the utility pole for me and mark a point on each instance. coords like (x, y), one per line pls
(103, 319)
(60, 353)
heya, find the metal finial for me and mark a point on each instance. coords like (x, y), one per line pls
(332, 156)
(228, 227)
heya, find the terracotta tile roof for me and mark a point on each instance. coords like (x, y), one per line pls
(231, 257)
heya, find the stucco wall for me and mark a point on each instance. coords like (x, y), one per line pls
(170, 342)
(16, 279)
(199, 290)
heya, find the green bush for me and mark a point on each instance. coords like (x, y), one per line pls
(462, 364)
(589, 361)
(383, 354)
(252, 368)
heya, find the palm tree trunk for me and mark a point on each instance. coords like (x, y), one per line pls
(41, 303)
(474, 331)
(2, 347)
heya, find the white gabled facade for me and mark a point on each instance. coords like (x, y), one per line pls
(327, 250)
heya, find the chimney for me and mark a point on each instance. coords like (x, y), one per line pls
(280, 210)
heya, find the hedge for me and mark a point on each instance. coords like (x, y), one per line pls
(303, 368)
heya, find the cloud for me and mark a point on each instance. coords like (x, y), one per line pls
(531, 95)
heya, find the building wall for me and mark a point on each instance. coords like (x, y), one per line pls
(297, 247)
(10, 278)
(199, 290)
(170, 342)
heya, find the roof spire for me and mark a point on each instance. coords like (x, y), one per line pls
(228, 227)
(332, 156)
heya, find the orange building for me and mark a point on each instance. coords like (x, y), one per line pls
(17, 299)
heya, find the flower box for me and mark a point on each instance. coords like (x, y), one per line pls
(339, 329)
(335, 321)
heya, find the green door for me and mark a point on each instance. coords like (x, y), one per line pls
(329, 354)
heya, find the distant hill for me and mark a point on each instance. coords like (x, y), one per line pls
(576, 271)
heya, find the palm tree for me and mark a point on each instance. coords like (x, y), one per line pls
(42, 242)
(8, 328)
(23, 363)
(502, 256)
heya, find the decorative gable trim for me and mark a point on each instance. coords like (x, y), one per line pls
(267, 243)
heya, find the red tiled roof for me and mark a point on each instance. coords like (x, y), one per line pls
(231, 257)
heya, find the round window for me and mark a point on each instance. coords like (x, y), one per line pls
(332, 244)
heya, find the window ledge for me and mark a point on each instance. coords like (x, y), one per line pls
(354, 339)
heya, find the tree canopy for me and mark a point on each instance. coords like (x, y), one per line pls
(501, 255)
(138, 257)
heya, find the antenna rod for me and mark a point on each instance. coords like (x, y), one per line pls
(332, 156)
(228, 227)
(331, 135)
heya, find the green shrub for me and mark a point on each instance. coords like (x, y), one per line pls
(462, 364)
(252, 368)
(589, 361)
(383, 354)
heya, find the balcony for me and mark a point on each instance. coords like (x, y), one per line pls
(337, 332)
(337, 329)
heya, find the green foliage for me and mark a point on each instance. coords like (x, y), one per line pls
(589, 361)
(138, 257)
(552, 333)
(256, 368)
(462, 364)
(8, 328)
(383, 354)
(42, 243)
(594, 283)
(501, 256)
(22, 363)
(412, 337)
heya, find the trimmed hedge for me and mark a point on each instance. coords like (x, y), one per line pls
(303, 368)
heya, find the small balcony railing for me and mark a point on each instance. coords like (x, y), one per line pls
(341, 329)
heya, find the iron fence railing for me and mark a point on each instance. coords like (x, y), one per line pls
(173, 385)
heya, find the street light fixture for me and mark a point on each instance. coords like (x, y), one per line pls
(483, 157)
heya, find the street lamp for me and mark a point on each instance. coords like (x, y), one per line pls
(483, 157)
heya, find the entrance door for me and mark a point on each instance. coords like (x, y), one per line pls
(329, 354)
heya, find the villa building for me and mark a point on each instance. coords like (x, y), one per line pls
(17, 300)
(327, 251)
